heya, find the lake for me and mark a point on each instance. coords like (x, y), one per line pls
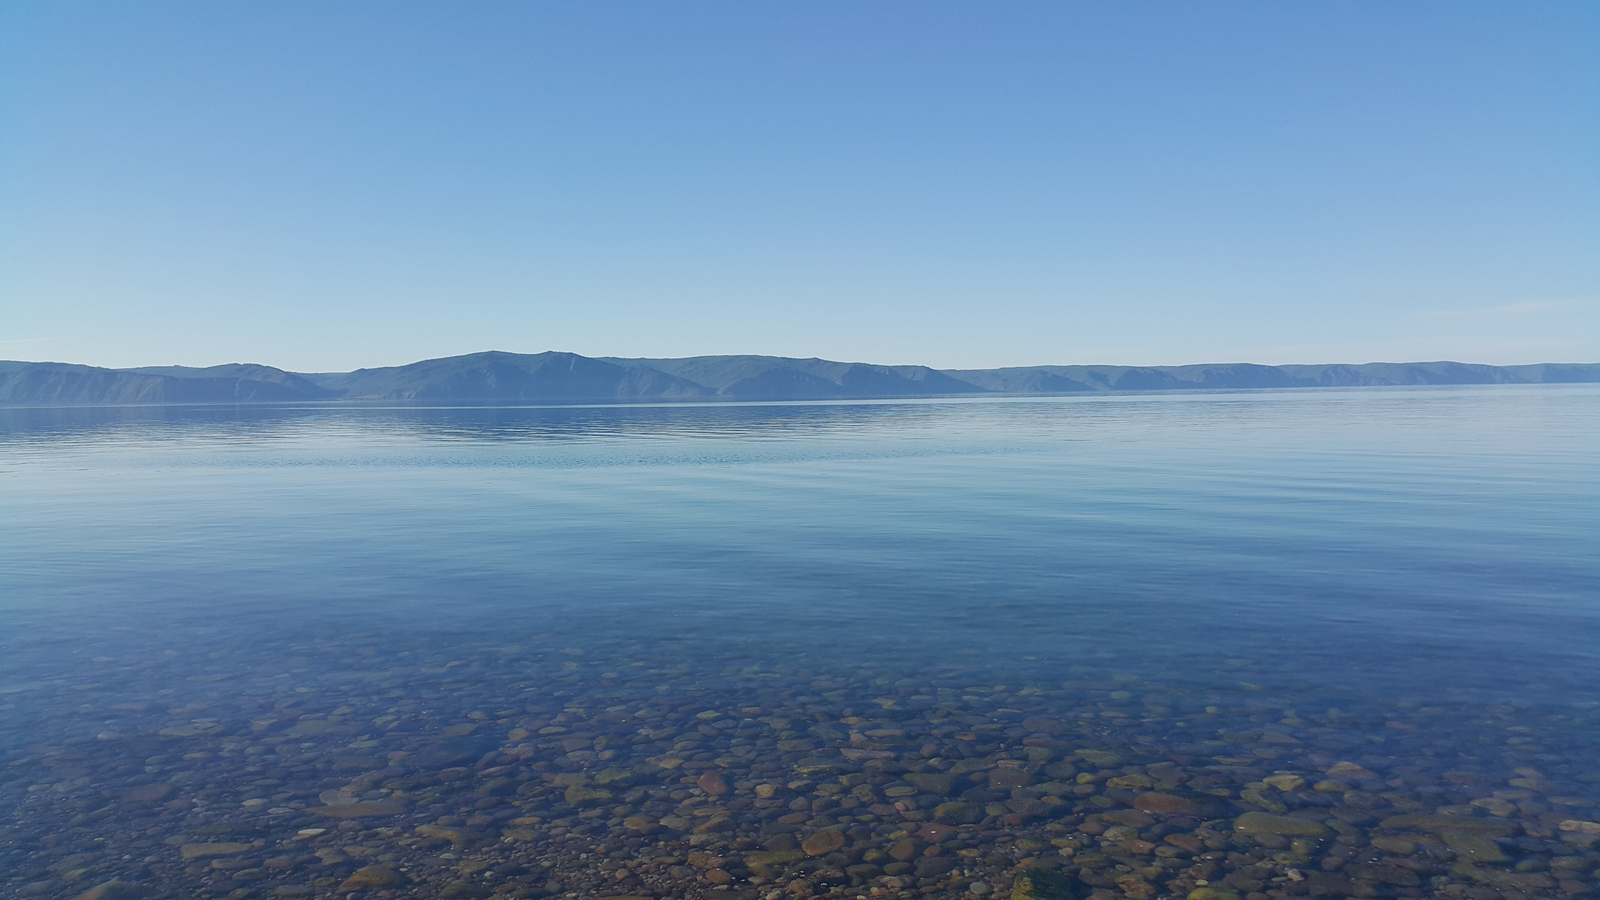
(1250, 644)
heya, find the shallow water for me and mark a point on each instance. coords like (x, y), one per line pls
(983, 635)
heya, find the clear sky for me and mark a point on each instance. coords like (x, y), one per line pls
(321, 186)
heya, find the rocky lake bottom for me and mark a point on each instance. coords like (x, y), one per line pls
(369, 766)
(1230, 646)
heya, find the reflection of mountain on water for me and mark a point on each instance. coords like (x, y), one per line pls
(516, 378)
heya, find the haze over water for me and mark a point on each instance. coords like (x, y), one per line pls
(1390, 578)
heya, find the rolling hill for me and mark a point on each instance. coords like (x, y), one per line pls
(554, 377)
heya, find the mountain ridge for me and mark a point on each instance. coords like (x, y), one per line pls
(558, 377)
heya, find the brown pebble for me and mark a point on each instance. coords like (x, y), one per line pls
(1185, 842)
(712, 783)
(714, 824)
(823, 842)
(1006, 779)
(371, 877)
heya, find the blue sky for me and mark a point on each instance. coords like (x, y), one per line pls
(322, 186)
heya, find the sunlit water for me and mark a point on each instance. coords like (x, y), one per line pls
(218, 622)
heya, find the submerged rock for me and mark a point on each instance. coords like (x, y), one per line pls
(358, 810)
(1254, 823)
(937, 783)
(203, 851)
(1473, 846)
(1439, 824)
(371, 877)
(1043, 884)
(459, 837)
(1172, 805)
(712, 784)
(822, 843)
(116, 890)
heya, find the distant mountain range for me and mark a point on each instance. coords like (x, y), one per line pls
(496, 377)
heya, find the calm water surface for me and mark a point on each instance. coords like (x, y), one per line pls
(671, 651)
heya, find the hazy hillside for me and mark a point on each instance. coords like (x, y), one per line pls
(551, 377)
(62, 384)
(244, 371)
(501, 377)
(782, 378)
(1235, 376)
(1555, 373)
